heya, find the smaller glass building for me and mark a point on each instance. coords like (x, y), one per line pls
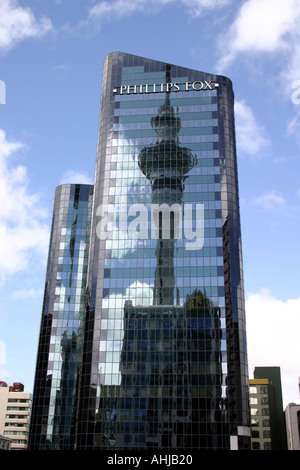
(59, 349)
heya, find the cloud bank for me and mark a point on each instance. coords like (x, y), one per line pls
(263, 26)
(19, 23)
(24, 228)
(268, 320)
(252, 138)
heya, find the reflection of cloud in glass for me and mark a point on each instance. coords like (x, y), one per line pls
(138, 293)
(128, 168)
(141, 294)
(120, 241)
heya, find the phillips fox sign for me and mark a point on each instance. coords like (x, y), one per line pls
(166, 87)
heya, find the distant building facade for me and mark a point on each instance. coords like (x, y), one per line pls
(266, 407)
(260, 414)
(15, 412)
(292, 419)
(5, 443)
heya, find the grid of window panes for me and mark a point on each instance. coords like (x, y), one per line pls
(163, 369)
(129, 186)
(59, 353)
(260, 417)
(157, 375)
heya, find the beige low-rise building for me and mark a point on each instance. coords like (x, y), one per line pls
(15, 410)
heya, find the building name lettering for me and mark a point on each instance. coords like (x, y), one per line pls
(167, 87)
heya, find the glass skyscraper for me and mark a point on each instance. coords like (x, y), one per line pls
(154, 354)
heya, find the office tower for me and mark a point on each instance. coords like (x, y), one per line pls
(164, 361)
(59, 350)
(274, 406)
(15, 410)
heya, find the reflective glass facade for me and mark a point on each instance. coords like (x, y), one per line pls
(164, 360)
(165, 364)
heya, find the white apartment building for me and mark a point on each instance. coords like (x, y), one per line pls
(15, 411)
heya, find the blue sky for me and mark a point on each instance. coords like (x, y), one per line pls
(51, 54)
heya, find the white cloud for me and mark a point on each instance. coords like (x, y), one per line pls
(24, 231)
(273, 327)
(271, 201)
(261, 26)
(120, 8)
(19, 23)
(268, 29)
(61, 72)
(76, 177)
(251, 137)
(197, 7)
(27, 293)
